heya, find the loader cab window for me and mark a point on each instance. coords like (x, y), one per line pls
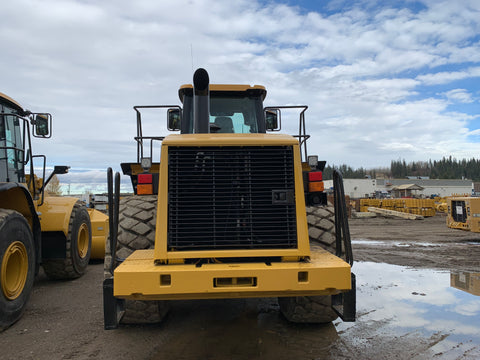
(234, 115)
(229, 113)
(11, 146)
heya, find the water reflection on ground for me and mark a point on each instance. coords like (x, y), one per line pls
(417, 309)
(402, 313)
(466, 281)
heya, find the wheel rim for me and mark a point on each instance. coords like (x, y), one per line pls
(14, 270)
(82, 241)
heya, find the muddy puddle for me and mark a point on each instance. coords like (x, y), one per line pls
(377, 243)
(402, 313)
(419, 313)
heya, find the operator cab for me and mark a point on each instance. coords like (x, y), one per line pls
(15, 141)
(234, 109)
(11, 145)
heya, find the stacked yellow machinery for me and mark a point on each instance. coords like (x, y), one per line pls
(463, 213)
(36, 229)
(224, 215)
(440, 204)
(424, 207)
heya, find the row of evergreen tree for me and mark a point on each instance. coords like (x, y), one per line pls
(447, 168)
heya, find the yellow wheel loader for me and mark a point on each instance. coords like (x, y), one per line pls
(36, 229)
(463, 213)
(231, 210)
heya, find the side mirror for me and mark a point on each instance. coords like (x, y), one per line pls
(271, 119)
(57, 170)
(41, 125)
(174, 119)
(60, 169)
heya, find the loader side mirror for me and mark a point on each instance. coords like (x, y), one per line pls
(271, 119)
(174, 119)
(41, 125)
(60, 169)
(57, 170)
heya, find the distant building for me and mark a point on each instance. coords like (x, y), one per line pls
(361, 188)
(476, 188)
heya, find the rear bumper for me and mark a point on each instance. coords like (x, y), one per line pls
(140, 279)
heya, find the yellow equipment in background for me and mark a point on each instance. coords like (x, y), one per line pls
(463, 213)
(36, 229)
(423, 207)
(224, 214)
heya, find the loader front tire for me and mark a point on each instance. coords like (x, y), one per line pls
(136, 231)
(78, 247)
(17, 266)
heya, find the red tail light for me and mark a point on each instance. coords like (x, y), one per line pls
(145, 178)
(315, 176)
(145, 184)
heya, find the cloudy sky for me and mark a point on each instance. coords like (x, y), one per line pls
(382, 82)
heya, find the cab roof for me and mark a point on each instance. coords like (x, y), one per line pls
(226, 88)
(10, 102)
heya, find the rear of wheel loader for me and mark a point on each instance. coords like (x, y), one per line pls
(228, 218)
(463, 213)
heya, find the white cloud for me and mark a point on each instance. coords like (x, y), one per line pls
(447, 77)
(361, 70)
(459, 95)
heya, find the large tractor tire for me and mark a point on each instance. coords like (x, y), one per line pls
(78, 247)
(17, 266)
(314, 309)
(307, 309)
(321, 226)
(136, 231)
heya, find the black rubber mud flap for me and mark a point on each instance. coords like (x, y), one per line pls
(345, 304)
(113, 308)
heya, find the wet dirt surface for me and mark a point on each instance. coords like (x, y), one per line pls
(418, 297)
(426, 243)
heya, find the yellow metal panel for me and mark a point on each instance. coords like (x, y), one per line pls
(55, 213)
(301, 252)
(137, 168)
(16, 199)
(162, 208)
(228, 140)
(224, 88)
(139, 278)
(472, 206)
(161, 253)
(100, 228)
(13, 102)
(302, 226)
(227, 87)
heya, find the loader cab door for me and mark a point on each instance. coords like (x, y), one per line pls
(11, 146)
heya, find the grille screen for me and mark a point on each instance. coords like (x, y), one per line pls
(231, 198)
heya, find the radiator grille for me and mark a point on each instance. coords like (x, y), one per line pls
(221, 198)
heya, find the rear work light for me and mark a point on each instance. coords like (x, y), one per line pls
(144, 184)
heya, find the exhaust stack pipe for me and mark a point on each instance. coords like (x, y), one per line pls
(201, 102)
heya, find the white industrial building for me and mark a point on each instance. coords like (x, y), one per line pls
(361, 188)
